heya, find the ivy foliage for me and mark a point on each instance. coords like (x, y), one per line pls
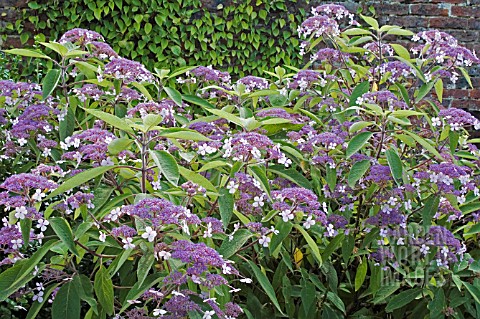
(239, 36)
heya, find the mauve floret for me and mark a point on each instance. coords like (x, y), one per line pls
(379, 174)
(458, 118)
(253, 82)
(102, 50)
(281, 113)
(385, 48)
(397, 70)
(161, 212)
(33, 120)
(217, 225)
(164, 108)
(232, 309)
(335, 11)
(124, 231)
(96, 151)
(80, 198)
(330, 56)
(20, 94)
(383, 98)
(210, 74)
(25, 182)
(247, 146)
(128, 71)
(129, 95)
(180, 305)
(88, 91)
(385, 218)
(338, 221)
(80, 36)
(318, 26)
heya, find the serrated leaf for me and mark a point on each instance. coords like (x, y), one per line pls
(103, 287)
(311, 244)
(64, 232)
(266, 285)
(357, 142)
(50, 82)
(225, 204)
(402, 299)
(79, 179)
(67, 302)
(230, 247)
(361, 274)
(167, 164)
(357, 171)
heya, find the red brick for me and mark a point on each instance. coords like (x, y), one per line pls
(464, 11)
(474, 94)
(391, 9)
(428, 10)
(466, 104)
(456, 93)
(465, 36)
(409, 21)
(448, 23)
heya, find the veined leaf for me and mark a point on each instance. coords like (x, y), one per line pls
(167, 164)
(266, 285)
(311, 244)
(103, 287)
(357, 171)
(50, 82)
(402, 299)
(64, 232)
(357, 143)
(111, 119)
(67, 302)
(79, 179)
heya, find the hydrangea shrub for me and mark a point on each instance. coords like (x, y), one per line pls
(340, 189)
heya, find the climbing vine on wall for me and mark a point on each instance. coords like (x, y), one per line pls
(236, 35)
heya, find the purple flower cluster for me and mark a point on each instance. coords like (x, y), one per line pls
(458, 118)
(102, 50)
(88, 91)
(305, 79)
(450, 249)
(91, 144)
(80, 36)
(252, 146)
(161, 212)
(330, 56)
(396, 70)
(253, 82)
(379, 174)
(384, 98)
(379, 50)
(318, 26)
(20, 94)
(334, 11)
(210, 74)
(165, 108)
(291, 200)
(252, 198)
(281, 113)
(128, 71)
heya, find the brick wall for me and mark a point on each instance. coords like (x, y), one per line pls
(461, 18)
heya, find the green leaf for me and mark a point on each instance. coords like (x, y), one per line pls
(184, 134)
(357, 31)
(424, 90)
(26, 227)
(260, 174)
(226, 204)
(370, 21)
(79, 179)
(28, 53)
(118, 145)
(357, 126)
(67, 302)
(429, 210)
(57, 47)
(425, 144)
(361, 274)
(439, 89)
(167, 164)
(50, 82)
(291, 174)
(399, 31)
(103, 287)
(402, 299)
(64, 232)
(37, 306)
(230, 247)
(198, 101)
(473, 290)
(144, 265)
(111, 119)
(357, 142)
(395, 164)
(139, 289)
(197, 178)
(311, 244)
(437, 304)
(284, 230)
(475, 229)
(266, 285)
(357, 171)
(174, 95)
(358, 91)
